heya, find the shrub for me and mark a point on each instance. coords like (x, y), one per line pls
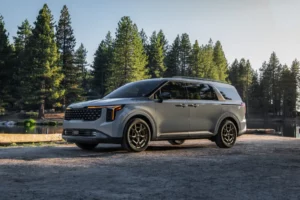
(52, 123)
(29, 122)
(32, 114)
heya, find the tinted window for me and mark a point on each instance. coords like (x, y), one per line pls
(200, 91)
(229, 93)
(176, 89)
(136, 89)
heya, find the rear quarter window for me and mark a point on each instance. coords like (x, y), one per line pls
(229, 93)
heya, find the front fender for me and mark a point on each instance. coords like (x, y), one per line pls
(139, 112)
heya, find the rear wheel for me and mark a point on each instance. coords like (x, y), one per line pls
(137, 135)
(85, 146)
(227, 134)
(176, 142)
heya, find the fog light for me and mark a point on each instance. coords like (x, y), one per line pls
(98, 134)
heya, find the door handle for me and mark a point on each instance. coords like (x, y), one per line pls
(193, 105)
(180, 105)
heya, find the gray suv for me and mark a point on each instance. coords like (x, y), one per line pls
(173, 109)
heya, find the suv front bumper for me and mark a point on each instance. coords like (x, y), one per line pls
(90, 136)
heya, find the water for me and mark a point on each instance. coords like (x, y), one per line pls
(284, 129)
(32, 130)
(281, 128)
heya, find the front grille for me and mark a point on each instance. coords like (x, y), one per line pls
(83, 114)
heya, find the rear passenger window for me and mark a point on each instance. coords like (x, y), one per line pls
(200, 91)
(229, 93)
(176, 89)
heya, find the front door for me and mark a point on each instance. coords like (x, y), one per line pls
(172, 115)
(205, 109)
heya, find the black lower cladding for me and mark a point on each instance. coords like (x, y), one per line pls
(79, 132)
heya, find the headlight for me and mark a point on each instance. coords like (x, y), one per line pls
(111, 112)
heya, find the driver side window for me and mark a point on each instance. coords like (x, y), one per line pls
(176, 89)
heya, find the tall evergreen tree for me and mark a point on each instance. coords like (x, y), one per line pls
(20, 60)
(6, 69)
(195, 61)
(144, 38)
(44, 74)
(173, 59)
(220, 62)
(66, 43)
(163, 41)
(102, 62)
(81, 63)
(185, 51)
(287, 91)
(156, 57)
(275, 68)
(129, 57)
(295, 77)
(207, 60)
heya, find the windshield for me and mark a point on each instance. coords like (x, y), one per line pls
(136, 89)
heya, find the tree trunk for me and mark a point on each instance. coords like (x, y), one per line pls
(42, 110)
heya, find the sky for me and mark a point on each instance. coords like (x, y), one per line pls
(250, 29)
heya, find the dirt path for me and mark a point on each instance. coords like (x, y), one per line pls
(258, 167)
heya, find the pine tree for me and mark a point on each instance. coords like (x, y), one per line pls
(295, 79)
(185, 51)
(20, 60)
(234, 72)
(6, 67)
(287, 91)
(129, 57)
(173, 59)
(156, 57)
(163, 41)
(195, 61)
(275, 68)
(81, 63)
(144, 38)
(102, 62)
(207, 60)
(23, 34)
(66, 43)
(44, 75)
(220, 62)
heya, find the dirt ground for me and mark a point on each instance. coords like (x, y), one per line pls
(258, 167)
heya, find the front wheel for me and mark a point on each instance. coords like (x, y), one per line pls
(176, 142)
(137, 135)
(85, 146)
(227, 135)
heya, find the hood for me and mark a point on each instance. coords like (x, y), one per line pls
(104, 102)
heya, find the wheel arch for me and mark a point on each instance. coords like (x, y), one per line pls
(227, 116)
(144, 116)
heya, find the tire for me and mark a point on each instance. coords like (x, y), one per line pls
(227, 134)
(86, 146)
(176, 142)
(137, 135)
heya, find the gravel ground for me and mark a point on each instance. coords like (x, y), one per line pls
(257, 167)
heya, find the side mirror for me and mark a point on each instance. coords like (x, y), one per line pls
(165, 95)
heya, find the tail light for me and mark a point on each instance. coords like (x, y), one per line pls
(243, 105)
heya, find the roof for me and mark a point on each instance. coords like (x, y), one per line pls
(195, 79)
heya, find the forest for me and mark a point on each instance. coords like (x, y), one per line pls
(41, 69)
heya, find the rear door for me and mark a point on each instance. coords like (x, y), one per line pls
(172, 115)
(204, 106)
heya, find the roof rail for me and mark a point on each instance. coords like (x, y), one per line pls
(196, 78)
